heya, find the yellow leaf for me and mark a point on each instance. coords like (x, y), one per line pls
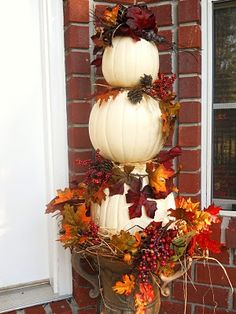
(157, 178)
(125, 286)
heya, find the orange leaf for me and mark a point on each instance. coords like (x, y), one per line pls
(157, 179)
(110, 15)
(99, 196)
(126, 286)
(105, 97)
(63, 196)
(81, 216)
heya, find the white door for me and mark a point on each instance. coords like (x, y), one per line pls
(31, 33)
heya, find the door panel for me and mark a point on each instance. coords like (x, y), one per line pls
(23, 175)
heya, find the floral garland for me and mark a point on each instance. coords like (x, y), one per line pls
(152, 252)
(135, 21)
(161, 90)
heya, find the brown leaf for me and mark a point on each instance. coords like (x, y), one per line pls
(105, 97)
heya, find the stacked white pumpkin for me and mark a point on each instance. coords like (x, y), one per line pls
(125, 133)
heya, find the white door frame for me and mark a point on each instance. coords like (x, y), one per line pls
(54, 87)
(207, 100)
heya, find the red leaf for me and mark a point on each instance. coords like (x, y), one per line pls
(140, 18)
(139, 199)
(206, 243)
(213, 210)
(97, 62)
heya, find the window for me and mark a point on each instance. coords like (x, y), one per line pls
(223, 188)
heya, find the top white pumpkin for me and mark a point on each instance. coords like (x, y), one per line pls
(127, 60)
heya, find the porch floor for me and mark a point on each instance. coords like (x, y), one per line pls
(67, 306)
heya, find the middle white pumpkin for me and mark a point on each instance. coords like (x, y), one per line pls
(124, 132)
(127, 60)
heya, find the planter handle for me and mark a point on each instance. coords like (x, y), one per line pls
(93, 279)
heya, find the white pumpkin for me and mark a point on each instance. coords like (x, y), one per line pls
(124, 132)
(112, 215)
(127, 60)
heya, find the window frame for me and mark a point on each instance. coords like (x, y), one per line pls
(207, 109)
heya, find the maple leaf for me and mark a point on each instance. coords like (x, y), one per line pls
(124, 241)
(99, 195)
(139, 199)
(110, 15)
(125, 286)
(213, 211)
(157, 178)
(119, 178)
(81, 216)
(108, 94)
(140, 18)
(165, 156)
(205, 243)
(187, 205)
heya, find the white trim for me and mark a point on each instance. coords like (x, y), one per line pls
(52, 48)
(207, 101)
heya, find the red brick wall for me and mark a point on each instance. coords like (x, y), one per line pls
(180, 22)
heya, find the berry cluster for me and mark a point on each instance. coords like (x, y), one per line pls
(162, 87)
(92, 233)
(156, 251)
(99, 170)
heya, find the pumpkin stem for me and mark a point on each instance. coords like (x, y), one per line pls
(135, 2)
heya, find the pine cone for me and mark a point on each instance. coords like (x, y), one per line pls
(146, 80)
(135, 95)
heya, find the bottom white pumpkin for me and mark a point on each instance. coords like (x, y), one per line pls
(112, 215)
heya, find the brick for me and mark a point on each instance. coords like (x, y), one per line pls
(35, 310)
(73, 160)
(78, 88)
(79, 137)
(189, 136)
(201, 294)
(205, 273)
(87, 311)
(169, 39)
(190, 112)
(78, 112)
(163, 14)
(75, 178)
(189, 11)
(189, 62)
(82, 297)
(206, 310)
(189, 183)
(165, 63)
(223, 257)
(190, 160)
(77, 37)
(168, 307)
(234, 301)
(78, 62)
(190, 87)
(76, 11)
(60, 307)
(189, 36)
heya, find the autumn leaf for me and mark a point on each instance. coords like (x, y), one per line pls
(139, 199)
(97, 62)
(119, 178)
(186, 204)
(99, 195)
(205, 243)
(107, 95)
(157, 178)
(213, 211)
(140, 19)
(124, 241)
(110, 15)
(125, 286)
(82, 219)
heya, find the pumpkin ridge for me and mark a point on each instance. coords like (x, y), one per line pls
(107, 138)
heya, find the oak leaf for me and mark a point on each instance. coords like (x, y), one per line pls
(105, 96)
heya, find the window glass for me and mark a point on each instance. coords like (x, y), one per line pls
(224, 104)
(225, 53)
